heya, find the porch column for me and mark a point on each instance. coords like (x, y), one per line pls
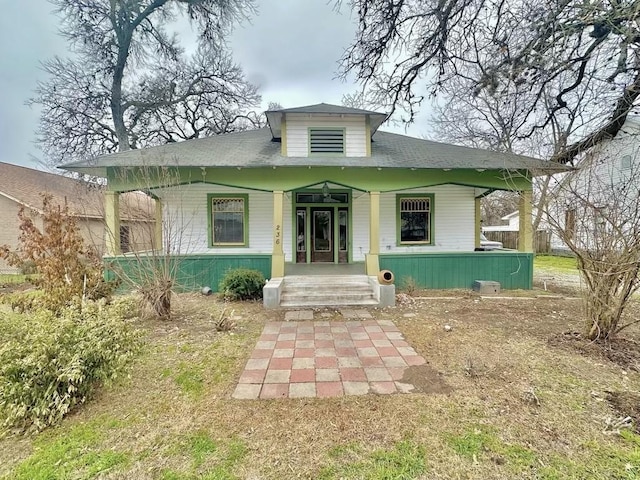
(372, 258)
(277, 257)
(112, 223)
(525, 237)
(478, 216)
(157, 227)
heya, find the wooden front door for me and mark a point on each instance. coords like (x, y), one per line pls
(322, 241)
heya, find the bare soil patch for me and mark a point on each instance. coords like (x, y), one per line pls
(627, 404)
(622, 351)
(425, 379)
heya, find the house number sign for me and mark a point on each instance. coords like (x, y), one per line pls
(277, 234)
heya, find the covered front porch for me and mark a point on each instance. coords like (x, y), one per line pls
(331, 222)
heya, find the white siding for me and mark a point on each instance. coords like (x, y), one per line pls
(360, 216)
(297, 133)
(186, 223)
(453, 222)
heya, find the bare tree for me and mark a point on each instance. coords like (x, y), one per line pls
(157, 271)
(541, 57)
(130, 83)
(596, 212)
(495, 120)
(497, 205)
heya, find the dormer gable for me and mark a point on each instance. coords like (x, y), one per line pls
(324, 130)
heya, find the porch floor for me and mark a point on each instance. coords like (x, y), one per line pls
(324, 269)
(307, 358)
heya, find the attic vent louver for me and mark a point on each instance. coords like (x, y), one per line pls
(326, 140)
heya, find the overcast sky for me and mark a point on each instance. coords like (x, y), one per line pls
(289, 49)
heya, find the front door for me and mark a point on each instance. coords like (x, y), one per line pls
(322, 244)
(322, 227)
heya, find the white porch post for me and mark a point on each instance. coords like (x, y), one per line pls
(525, 236)
(372, 261)
(112, 223)
(277, 257)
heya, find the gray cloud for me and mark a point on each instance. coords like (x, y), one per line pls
(292, 47)
(27, 36)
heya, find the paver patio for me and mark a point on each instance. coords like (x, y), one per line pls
(327, 359)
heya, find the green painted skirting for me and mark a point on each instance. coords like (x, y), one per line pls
(514, 270)
(192, 271)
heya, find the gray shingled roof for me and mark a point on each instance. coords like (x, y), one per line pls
(274, 117)
(255, 149)
(328, 108)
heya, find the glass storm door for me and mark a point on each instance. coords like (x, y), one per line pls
(322, 243)
(301, 235)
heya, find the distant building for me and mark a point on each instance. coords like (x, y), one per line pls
(23, 187)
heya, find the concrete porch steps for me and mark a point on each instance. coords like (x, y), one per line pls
(327, 290)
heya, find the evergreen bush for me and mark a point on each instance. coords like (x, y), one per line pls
(242, 284)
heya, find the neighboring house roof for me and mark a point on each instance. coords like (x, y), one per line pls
(255, 148)
(511, 215)
(25, 186)
(274, 117)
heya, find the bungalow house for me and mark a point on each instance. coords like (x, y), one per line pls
(23, 187)
(321, 190)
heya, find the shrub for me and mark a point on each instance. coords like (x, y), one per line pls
(22, 302)
(67, 267)
(50, 363)
(28, 267)
(242, 284)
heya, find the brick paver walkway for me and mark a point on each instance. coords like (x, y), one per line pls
(327, 359)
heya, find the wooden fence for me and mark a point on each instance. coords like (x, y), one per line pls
(541, 240)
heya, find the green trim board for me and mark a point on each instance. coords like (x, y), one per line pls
(192, 271)
(245, 227)
(292, 178)
(442, 270)
(431, 211)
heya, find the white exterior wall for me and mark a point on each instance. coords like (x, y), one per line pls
(297, 133)
(604, 178)
(360, 225)
(186, 222)
(453, 222)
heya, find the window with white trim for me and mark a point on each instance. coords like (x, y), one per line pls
(228, 220)
(415, 219)
(326, 141)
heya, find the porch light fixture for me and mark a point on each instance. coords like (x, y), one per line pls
(325, 190)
